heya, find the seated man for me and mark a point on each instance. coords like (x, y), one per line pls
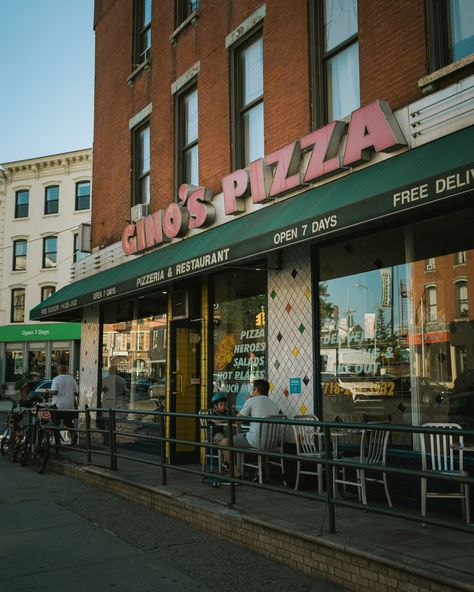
(257, 405)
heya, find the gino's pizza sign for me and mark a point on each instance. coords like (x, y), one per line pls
(321, 153)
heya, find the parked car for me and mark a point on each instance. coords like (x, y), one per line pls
(40, 389)
(158, 389)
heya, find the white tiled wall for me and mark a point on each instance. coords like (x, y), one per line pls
(89, 356)
(290, 332)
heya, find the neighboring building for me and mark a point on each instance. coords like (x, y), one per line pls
(44, 202)
(267, 178)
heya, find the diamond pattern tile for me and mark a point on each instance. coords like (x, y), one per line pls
(89, 355)
(290, 335)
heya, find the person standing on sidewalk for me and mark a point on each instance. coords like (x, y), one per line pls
(63, 390)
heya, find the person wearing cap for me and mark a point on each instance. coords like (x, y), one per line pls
(219, 407)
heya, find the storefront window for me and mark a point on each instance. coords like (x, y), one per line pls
(134, 354)
(37, 362)
(59, 355)
(239, 337)
(14, 365)
(396, 338)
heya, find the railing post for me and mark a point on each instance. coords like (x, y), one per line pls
(164, 479)
(113, 441)
(88, 434)
(329, 479)
(231, 463)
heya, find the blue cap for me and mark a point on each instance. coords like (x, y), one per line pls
(219, 397)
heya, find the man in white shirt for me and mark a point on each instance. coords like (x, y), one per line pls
(63, 390)
(257, 405)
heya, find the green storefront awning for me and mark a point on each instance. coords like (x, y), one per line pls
(435, 171)
(40, 332)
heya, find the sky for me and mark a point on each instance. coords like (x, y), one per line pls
(46, 77)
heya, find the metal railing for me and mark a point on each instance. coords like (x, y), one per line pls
(106, 427)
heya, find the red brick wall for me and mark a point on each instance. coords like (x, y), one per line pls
(393, 58)
(393, 50)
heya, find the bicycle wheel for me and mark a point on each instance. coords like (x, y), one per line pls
(5, 445)
(26, 451)
(14, 446)
(43, 451)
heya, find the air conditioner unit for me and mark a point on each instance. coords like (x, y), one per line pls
(84, 238)
(139, 211)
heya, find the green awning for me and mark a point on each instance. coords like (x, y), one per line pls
(42, 332)
(435, 171)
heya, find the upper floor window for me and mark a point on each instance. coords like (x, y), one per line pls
(341, 58)
(50, 252)
(248, 101)
(51, 199)
(19, 255)
(22, 201)
(141, 165)
(431, 304)
(187, 157)
(77, 255)
(17, 314)
(460, 258)
(462, 305)
(450, 30)
(430, 264)
(184, 9)
(47, 291)
(142, 31)
(83, 195)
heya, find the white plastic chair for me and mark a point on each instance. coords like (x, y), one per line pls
(309, 444)
(373, 452)
(443, 453)
(210, 454)
(270, 437)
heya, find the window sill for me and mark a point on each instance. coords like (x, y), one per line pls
(143, 67)
(424, 82)
(48, 269)
(15, 271)
(192, 19)
(23, 219)
(51, 215)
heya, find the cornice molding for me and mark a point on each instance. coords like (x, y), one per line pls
(35, 167)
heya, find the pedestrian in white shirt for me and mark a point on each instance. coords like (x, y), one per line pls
(64, 390)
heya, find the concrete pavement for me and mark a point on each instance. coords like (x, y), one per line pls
(60, 534)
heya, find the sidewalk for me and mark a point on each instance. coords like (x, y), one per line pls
(369, 551)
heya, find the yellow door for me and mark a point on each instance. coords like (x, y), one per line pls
(185, 388)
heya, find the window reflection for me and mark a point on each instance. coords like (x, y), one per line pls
(239, 337)
(134, 355)
(396, 340)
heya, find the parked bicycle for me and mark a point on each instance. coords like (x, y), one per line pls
(38, 437)
(14, 433)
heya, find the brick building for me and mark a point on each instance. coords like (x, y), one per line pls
(267, 179)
